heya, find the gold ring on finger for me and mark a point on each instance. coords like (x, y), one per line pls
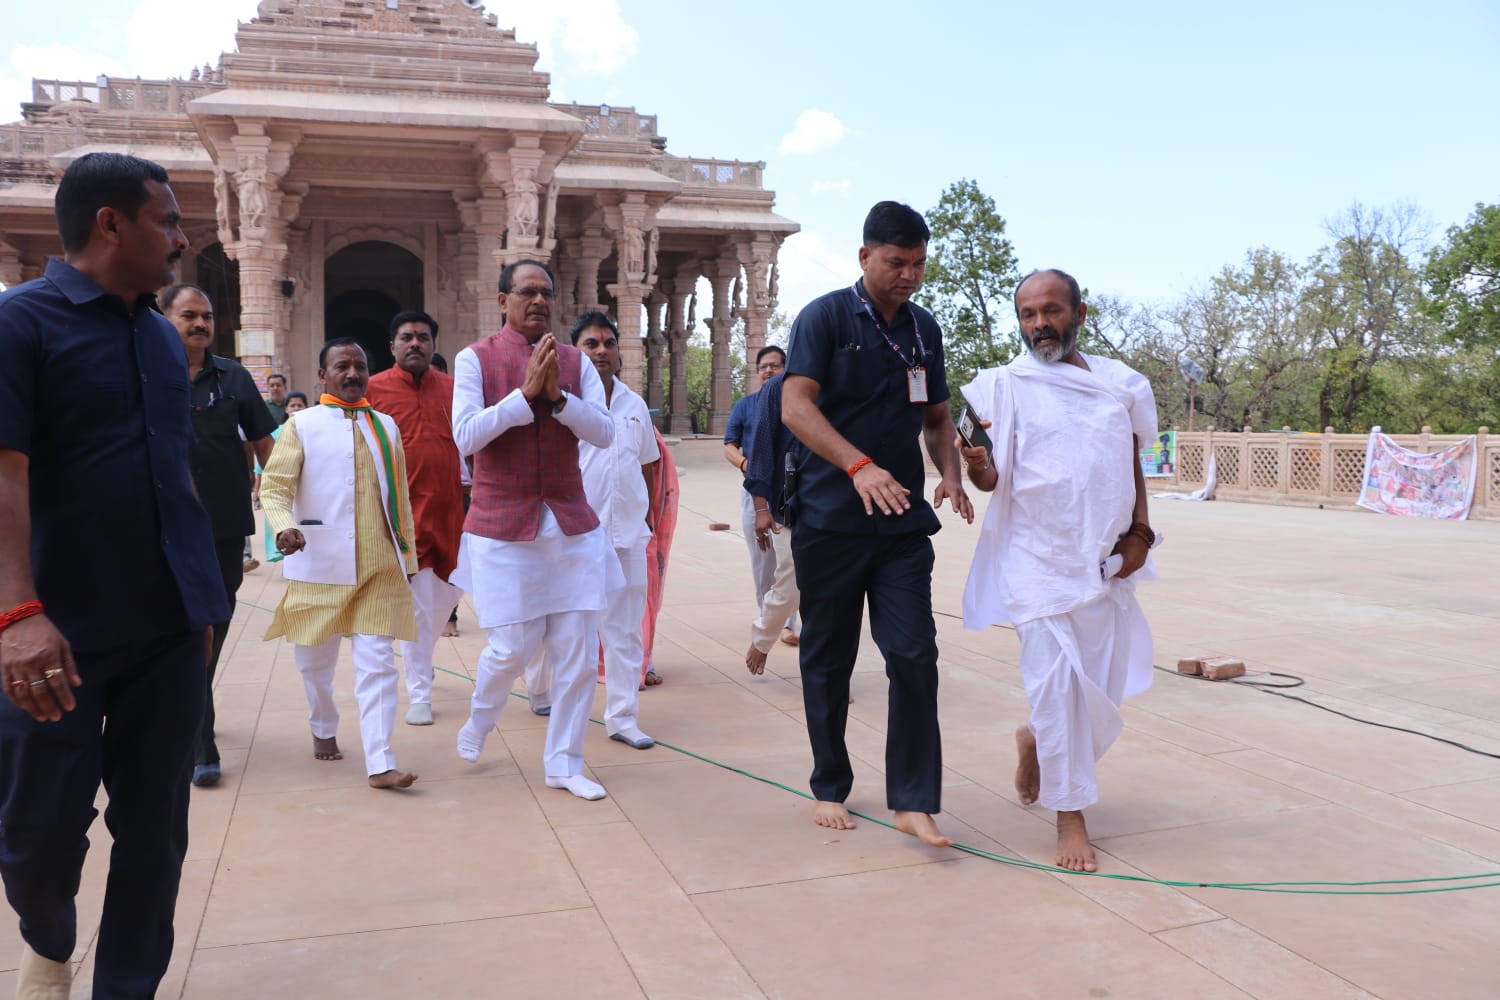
(49, 674)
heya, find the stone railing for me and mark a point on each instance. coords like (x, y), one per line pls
(600, 121)
(714, 173)
(110, 94)
(1306, 468)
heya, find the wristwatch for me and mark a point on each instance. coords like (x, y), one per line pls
(559, 403)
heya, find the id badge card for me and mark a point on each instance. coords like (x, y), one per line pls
(916, 385)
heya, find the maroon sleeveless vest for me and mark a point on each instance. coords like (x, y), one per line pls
(530, 465)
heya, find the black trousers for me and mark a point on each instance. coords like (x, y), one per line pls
(231, 556)
(133, 729)
(837, 573)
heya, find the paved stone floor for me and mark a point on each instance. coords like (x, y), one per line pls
(691, 881)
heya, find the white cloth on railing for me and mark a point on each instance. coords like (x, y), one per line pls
(1204, 492)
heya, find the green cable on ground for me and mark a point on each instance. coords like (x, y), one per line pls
(1287, 887)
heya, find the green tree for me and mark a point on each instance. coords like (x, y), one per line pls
(1464, 276)
(971, 280)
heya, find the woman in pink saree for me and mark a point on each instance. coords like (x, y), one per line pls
(664, 497)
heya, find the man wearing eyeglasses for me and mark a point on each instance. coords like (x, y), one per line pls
(226, 411)
(532, 553)
(740, 437)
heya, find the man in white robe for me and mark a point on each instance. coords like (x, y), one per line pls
(1069, 498)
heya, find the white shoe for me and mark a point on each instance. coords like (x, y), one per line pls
(634, 737)
(419, 714)
(470, 743)
(41, 978)
(579, 786)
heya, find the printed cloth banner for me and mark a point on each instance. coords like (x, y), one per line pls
(1159, 457)
(1409, 484)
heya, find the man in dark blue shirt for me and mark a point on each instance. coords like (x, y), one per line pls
(865, 379)
(107, 581)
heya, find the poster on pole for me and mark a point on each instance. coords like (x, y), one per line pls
(1439, 485)
(1160, 458)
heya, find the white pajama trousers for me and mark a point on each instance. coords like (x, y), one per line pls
(762, 564)
(1078, 667)
(570, 641)
(433, 600)
(620, 635)
(376, 683)
(782, 600)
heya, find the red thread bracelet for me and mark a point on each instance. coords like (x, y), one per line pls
(859, 465)
(20, 612)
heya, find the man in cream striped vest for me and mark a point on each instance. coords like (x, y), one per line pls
(335, 494)
(532, 554)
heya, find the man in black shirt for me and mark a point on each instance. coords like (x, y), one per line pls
(864, 380)
(227, 411)
(107, 582)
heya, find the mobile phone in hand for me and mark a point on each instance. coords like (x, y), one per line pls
(973, 434)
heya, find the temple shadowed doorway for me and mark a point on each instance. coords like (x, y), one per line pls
(365, 285)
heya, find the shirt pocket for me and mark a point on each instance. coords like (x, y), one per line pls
(857, 372)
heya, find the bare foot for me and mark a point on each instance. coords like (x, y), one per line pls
(326, 749)
(755, 661)
(450, 628)
(392, 779)
(1028, 771)
(833, 815)
(790, 638)
(652, 678)
(1074, 852)
(921, 826)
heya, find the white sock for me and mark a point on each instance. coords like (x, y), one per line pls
(579, 786)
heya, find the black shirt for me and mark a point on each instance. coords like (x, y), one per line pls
(863, 393)
(226, 403)
(96, 395)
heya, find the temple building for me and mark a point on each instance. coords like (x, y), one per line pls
(356, 157)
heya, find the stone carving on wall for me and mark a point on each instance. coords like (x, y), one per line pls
(651, 249)
(524, 214)
(407, 240)
(253, 201)
(635, 254)
(221, 205)
(760, 291)
(775, 289)
(552, 189)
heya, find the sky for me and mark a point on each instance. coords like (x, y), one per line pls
(1142, 146)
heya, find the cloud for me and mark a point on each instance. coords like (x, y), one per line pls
(840, 187)
(590, 36)
(809, 265)
(167, 38)
(814, 132)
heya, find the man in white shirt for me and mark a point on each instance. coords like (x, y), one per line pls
(1064, 534)
(616, 480)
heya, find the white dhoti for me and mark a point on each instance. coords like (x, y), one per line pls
(376, 682)
(569, 640)
(1078, 667)
(432, 599)
(782, 600)
(620, 634)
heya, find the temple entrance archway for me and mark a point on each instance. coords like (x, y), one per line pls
(365, 285)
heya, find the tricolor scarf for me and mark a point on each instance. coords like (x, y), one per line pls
(387, 458)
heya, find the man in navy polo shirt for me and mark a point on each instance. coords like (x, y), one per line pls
(865, 379)
(107, 581)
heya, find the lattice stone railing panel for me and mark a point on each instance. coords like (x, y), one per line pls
(1227, 464)
(1348, 470)
(1305, 468)
(1265, 468)
(1190, 463)
(1494, 476)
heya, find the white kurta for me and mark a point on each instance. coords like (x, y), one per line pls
(513, 582)
(1066, 491)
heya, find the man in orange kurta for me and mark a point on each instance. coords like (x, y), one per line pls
(420, 399)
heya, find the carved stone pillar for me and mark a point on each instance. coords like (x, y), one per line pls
(522, 198)
(10, 264)
(592, 250)
(468, 286)
(759, 258)
(681, 307)
(628, 221)
(490, 235)
(266, 210)
(565, 268)
(655, 344)
(721, 274)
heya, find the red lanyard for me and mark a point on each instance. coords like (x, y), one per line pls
(919, 352)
